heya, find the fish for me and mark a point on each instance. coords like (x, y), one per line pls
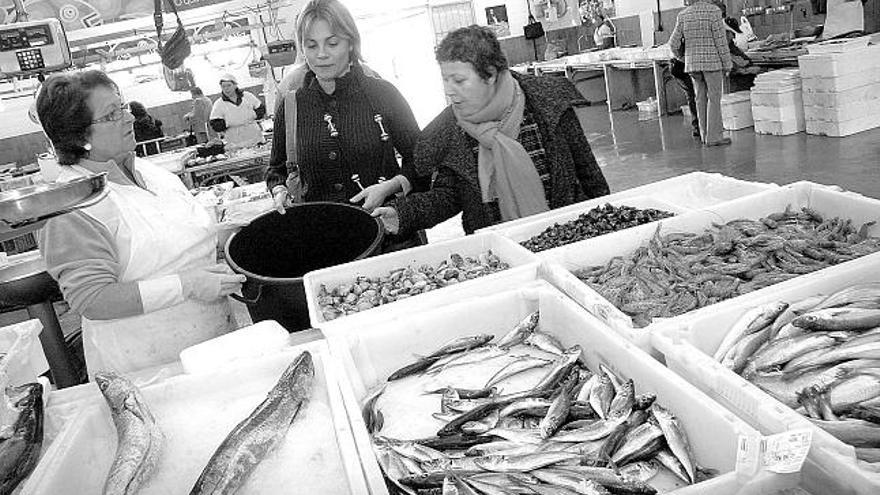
(451, 463)
(484, 487)
(523, 435)
(676, 438)
(415, 451)
(460, 344)
(411, 369)
(643, 401)
(570, 481)
(856, 432)
(594, 431)
(465, 405)
(480, 354)
(617, 437)
(845, 352)
(853, 390)
(623, 401)
(521, 405)
(140, 440)
(640, 443)
(782, 351)
(839, 319)
(794, 310)
(561, 368)
(867, 454)
(752, 321)
(556, 414)
(583, 394)
(482, 425)
(551, 490)
(738, 356)
(394, 467)
(616, 481)
(788, 331)
(616, 381)
(260, 433)
(859, 295)
(21, 443)
(528, 462)
(670, 462)
(544, 342)
(491, 448)
(465, 393)
(519, 365)
(602, 395)
(373, 418)
(642, 471)
(520, 332)
(455, 442)
(454, 485)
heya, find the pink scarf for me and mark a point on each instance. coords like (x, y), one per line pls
(504, 168)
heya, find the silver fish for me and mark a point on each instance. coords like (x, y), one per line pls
(623, 401)
(520, 332)
(867, 349)
(415, 451)
(583, 394)
(478, 355)
(465, 405)
(556, 414)
(140, 440)
(853, 390)
(524, 435)
(782, 351)
(676, 438)
(258, 434)
(639, 443)
(528, 462)
(461, 344)
(491, 448)
(519, 365)
(560, 369)
(859, 295)
(794, 310)
(451, 463)
(738, 356)
(670, 462)
(788, 330)
(616, 381)
(570, 481)
(599, 429)
(642, 471)
(523, 405)
(482, 425)
(839, 319)
(484, 487)
(752, 321)
(616, 481)
(545, 342)
(454, 485)
(601, 395)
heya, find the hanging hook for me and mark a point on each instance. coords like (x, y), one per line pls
(384, 136)
(330, 127)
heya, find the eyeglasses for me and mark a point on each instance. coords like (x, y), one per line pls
(113, 116)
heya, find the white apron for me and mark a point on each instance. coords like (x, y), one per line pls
(242, 129)
(163, 231)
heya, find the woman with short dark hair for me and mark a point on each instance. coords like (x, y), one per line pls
(508, 146)
(139, 265)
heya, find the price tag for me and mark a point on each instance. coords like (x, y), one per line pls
(786, 452)
(748, 454)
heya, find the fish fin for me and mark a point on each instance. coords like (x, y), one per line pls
(704, 473)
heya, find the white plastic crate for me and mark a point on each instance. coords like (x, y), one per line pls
(783, 98)
(523, 268)
(780, 128)
(844, 128)
(836, 64)
(688, 347)
(599, 251)
(525, 231)
(370, 353)
(694, 190)
(736, 111)
(841, 83)
(196, 413)
(866, 93)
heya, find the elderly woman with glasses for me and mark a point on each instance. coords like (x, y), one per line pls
(139, 265)
(508, 146)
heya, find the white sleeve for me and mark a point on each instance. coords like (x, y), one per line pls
(161, 292)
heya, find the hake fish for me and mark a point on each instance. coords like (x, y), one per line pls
(20, 448)
(752, 321)
(140, 440)
(260, 433)
(520, 332)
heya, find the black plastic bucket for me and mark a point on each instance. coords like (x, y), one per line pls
(276, 250)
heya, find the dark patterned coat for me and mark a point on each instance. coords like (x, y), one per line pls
(446, 151)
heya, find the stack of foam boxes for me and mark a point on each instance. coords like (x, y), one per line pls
(841, 87)
(777, 103)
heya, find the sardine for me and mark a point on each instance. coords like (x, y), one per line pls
(523, 405)
(616, 481)
(478, 355)
(556, 414)
(640, 443)
(752, 321)
(411, 369)
(855, 432)
(460, 344)
(670, 462)
(839, 319)
(601, 395)
(545, 342)
(520, 332)
(20, 446)
(676, 438)
(529, 462)
(482, 425)
(258, 434)
(140, 440)
(519, 365)
(570, 481)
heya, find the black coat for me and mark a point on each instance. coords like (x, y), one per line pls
(446, 150)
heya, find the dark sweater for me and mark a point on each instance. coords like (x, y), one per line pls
(327, 163)
(446, 150)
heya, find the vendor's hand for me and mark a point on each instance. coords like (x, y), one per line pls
(373, 196)
(389, 218)
(210, 283)
(279, 196)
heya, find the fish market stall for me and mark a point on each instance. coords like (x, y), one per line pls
(826, 379)
(189, 416)
(737, 249)
(404, 370)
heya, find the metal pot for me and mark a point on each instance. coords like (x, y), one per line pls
(274, 252)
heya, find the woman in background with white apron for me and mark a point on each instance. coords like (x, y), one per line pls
(140, 265)
(235, 114)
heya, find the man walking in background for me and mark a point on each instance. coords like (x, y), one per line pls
(197, 119)
(699, 37)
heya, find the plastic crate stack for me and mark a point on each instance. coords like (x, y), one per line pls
(777, 103)
(841, 87)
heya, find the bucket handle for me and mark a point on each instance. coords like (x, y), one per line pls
(250, 302)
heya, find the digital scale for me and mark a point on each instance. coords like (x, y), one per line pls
(33, 47)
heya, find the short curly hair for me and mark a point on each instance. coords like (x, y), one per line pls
(476, 45)
(63, 109)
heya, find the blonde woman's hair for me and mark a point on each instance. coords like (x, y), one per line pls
(340, 20)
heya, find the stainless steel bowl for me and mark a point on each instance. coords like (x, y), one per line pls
(39, 202)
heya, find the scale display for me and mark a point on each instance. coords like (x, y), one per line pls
(30, 47)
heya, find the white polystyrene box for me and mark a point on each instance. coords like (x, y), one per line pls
(370, 353)
(780, 128)
(252, 342)
(865, 93)
(841, 83)
(845, 128)
(736, 111)
(839, 63)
